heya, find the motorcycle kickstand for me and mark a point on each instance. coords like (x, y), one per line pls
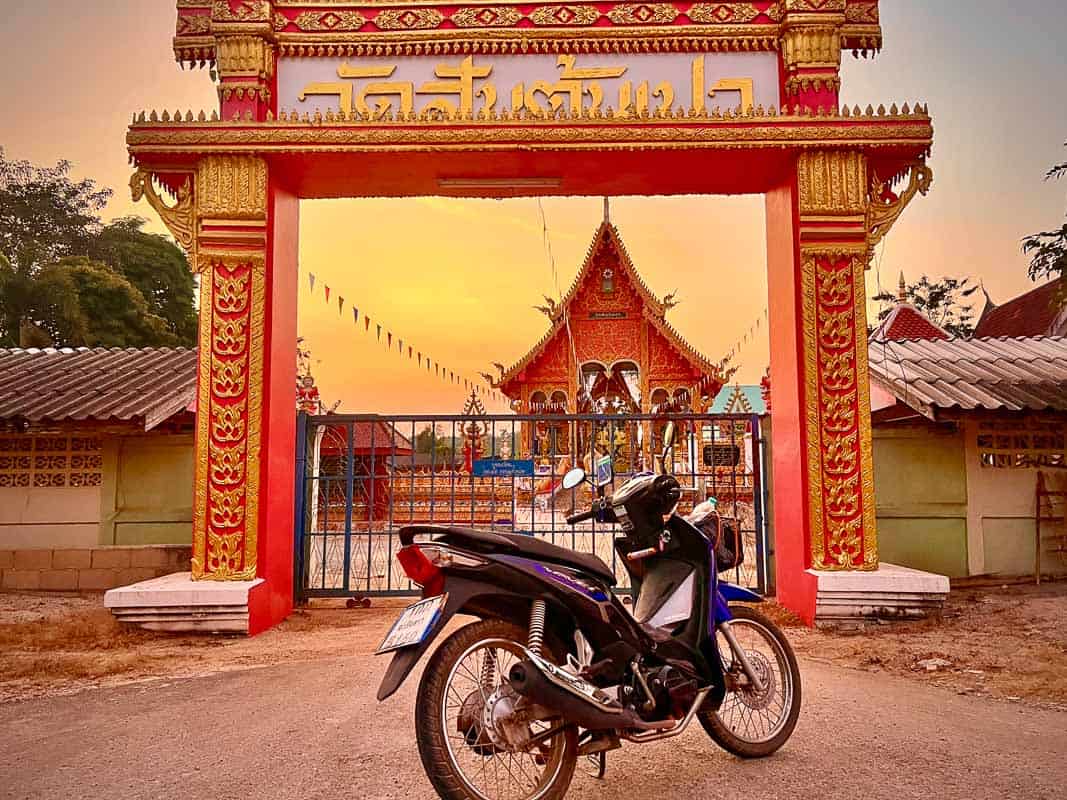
(594, 745)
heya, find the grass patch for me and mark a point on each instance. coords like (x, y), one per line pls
(92, 629)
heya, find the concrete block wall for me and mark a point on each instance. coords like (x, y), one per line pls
(89, 569)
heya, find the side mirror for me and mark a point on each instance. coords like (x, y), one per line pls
(574, 477)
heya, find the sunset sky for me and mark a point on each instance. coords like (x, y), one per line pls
(458, 278)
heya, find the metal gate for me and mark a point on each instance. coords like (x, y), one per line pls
(361, 477)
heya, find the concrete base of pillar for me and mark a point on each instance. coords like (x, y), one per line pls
(177, 603)
(888, 593)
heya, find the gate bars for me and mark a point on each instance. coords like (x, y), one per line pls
(361, 477)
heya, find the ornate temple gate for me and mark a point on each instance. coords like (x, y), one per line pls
(349, 99)
(360, 478)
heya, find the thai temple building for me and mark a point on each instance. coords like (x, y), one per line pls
(609, 349)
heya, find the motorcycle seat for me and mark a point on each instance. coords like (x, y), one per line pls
(514, 544)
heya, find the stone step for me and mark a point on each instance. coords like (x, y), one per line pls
(178, 603)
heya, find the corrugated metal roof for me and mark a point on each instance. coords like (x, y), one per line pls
(101, 384)
(1009, 374)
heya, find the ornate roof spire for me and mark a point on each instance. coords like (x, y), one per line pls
(902, 290)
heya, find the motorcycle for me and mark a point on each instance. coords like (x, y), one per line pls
(557, 668)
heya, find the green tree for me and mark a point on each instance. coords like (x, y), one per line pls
(83, 302)
(156, 267)
(67, 279)
(1048, 249)
(428, 441)
(946, 303)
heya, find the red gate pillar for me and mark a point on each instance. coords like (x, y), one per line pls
(239, 229)
(821, 225)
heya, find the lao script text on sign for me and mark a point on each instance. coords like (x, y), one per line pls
(642, 83)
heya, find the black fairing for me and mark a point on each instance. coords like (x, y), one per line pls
(516, 574)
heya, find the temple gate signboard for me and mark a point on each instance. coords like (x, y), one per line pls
(330, 98)
(490, 86)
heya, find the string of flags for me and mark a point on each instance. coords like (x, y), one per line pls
(409, 351)
(748, 335)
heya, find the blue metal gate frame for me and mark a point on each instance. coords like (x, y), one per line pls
(316, 534)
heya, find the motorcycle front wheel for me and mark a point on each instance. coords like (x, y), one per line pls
(753, 723)
(465, 732)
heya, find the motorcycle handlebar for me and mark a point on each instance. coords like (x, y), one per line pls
(581, 517)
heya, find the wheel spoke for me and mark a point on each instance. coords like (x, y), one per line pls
(751, 715)
(480, 755)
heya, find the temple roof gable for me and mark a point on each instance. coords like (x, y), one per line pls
(582, 294)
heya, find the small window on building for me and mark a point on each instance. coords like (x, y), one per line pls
(50, 461)
(1021, 445)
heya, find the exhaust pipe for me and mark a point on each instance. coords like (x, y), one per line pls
(576, 700)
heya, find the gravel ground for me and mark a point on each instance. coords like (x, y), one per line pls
(304, 724)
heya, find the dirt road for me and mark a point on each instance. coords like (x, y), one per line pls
(312, 729)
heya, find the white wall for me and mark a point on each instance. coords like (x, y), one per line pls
(49, 517)
(1001, 516)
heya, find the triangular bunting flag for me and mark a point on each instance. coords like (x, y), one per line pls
(400, 346)
(366, 322)
(379, 332)
(340, 305)
(409, 351)
(389, 338)
(355, 315)
(327, 293)
(311, 282)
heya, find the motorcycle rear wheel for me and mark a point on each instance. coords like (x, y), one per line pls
(748, 724)
(463, 674)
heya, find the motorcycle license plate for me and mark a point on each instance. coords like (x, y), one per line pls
(413, 624)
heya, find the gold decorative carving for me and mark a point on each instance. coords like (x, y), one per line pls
(545, 39)
(832, 182)
(865, 13)
(886, 206)
(643, 13)
(244, 55)
(244, 11)
(530, 131)
(487, 17)
(807, 82)
(239, 90)
(180, 218)
(234, 187)
(227, 424)
(226, 517)
(233, 190)
(722, 13)
(815, 5)
(837, 424)
(192, 24)
(329, 20)
(396, 19)
(811, 46)
(565, 15)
